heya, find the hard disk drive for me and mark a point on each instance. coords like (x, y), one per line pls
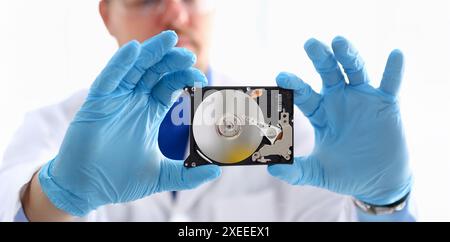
(233, 126)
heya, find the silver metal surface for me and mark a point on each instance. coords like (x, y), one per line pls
(280, 147)
(270, 131)
(221, 128)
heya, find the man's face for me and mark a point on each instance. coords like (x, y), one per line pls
(139, 20)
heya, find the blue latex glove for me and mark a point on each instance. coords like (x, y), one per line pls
(110, 152)
(360, 148)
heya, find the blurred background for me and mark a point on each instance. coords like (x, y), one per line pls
(51, 48)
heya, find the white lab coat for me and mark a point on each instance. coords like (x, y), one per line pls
(240, 194)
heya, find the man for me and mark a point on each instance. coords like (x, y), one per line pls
(115, 156)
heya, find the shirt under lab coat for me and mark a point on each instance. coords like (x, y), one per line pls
(240, 194)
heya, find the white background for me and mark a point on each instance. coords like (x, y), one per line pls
(50, 48)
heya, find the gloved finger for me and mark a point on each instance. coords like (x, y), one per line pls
(350, 60)
(152, 52)
(176, 60)
(304, 171)
(325, 63)
(393, 74)
(175, 177)
(306, 99)
(167, 89)
(116, 69)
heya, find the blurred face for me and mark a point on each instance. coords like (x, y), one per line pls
(139, 20)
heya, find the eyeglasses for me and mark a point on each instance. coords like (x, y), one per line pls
(156, 7)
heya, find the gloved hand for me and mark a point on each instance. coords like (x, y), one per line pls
(110, 152)
(360, 148)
